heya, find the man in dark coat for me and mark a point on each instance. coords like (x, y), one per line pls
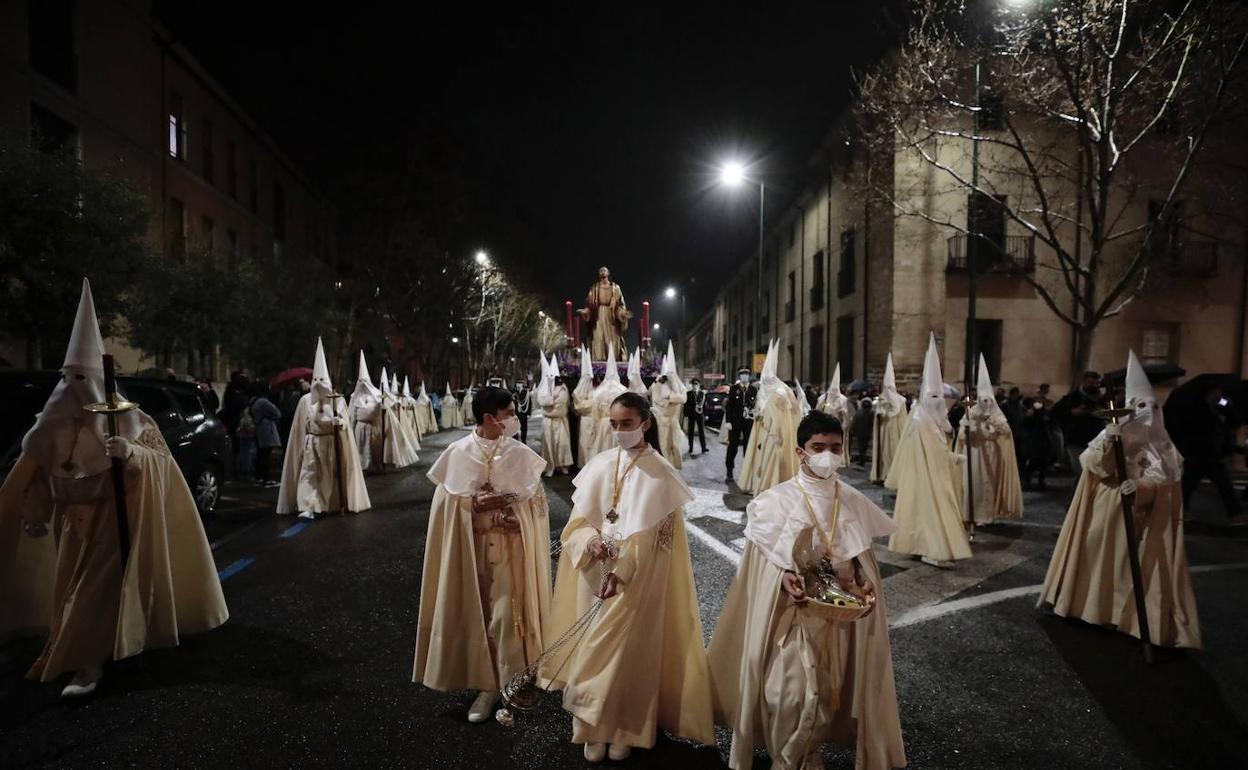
(739, 416)
(1075, 412)
(695, 414)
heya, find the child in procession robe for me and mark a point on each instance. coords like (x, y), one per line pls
(74, 585)
(640, 665)
(485, 586)
(785, 677)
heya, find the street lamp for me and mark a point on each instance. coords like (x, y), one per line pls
(731, 174)
(670, 292)
(483, 259)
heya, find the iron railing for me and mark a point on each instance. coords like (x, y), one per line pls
(1016, 255)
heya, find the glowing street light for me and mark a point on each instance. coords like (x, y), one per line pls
(732, 173)
(656, 327)
(483, 259)
(455, 340)
(670, 293)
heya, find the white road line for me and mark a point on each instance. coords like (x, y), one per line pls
(934, 611)
(712, 542)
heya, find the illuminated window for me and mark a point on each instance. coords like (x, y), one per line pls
(177, 128)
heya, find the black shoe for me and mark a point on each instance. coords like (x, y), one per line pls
(728, 479)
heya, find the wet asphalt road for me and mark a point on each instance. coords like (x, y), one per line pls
(313, 669)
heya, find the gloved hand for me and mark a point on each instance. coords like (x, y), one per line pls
(118, 448)
(1127, 487)
(959, 459)
(1113, 429)
(339, 422)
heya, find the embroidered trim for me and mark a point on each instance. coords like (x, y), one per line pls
(666, 531)
(151, 438)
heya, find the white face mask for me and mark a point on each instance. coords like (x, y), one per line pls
(824, 464)
(628, 439)
(511, 426)
(744, 379)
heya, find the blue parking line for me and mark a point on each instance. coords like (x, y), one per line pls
(294, 529)
(235, 568)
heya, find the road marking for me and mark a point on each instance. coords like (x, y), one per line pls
(934, 611)
(712, 542)
(222, 541)
(294, 529)
(235, 568)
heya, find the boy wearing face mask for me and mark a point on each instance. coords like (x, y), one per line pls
(785, 678)
(485, 588)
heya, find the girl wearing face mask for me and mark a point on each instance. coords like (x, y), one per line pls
(776, 665)
(640, 665)
(485, 589)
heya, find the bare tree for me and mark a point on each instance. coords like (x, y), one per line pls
(1088, 121)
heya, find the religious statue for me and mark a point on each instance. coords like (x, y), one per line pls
(606, 315)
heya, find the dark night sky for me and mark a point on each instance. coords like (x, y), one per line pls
(587, 134)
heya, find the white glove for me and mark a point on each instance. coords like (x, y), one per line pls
(1127, 487)
(339, 422)
(1113, 429)
(959, 459)
(118, 448)
(728, 426)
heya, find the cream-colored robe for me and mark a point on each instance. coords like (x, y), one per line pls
(69, 584)
(929, 496)
(397, 450)
(450, 413)
(556, 435)
(426, 418)
(887, 433)
(366, 429)
(640, 666)
(668, 405)
(786, 679)
(771, 457)
(469, 633)
(1089, 576)
(407, 418)
(601, 438)
(586, 440)
(310, 471)
(994, 467)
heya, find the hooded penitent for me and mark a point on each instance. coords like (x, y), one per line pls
(425, 412)
(927, 478)
(450, 410)
(771, 456)
(607, 391)
(889, 425)
(556, 445)
(365, 412)
(322, 460)
(834, 402)
(70, 582)
(583, 403)
(667, 397)
(991, 461)
(1089, 576)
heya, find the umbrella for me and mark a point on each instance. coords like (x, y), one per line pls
(290, 375)
(1156, 373)
(858, 385)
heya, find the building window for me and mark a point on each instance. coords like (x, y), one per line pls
(177, 229)
(1160, 345)
(177, 127)
(985, 219)
(845, 277)
(253, 186)
(792, 363)
(817, 288)
(790, 306)
(279, 212)
(53, 52)
(991, 115)
(792, 233)
(231, 241)
(845, 346)
(207, 228)
(50, 132)
(231, 169)
(210, 160)
(816, 354)
(765, 321)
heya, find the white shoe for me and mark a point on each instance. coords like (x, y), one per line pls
(619, 753)
(83, 683)
(595, 752)
(936, 563)
(307, 515)
(483, 707)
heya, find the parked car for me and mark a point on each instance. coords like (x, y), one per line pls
(198, 440)
(715, 405)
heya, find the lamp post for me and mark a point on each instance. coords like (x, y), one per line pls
(733, 174)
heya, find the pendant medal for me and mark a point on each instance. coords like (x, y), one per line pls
(487, 487)
(612, 516)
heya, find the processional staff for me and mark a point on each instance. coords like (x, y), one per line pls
(111, 406)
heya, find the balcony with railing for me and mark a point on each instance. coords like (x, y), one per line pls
(1016, 255)
(1197, 259)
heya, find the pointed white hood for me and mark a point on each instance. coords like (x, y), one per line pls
(449, 394)
(364, 387)
(423, 398)
(891, 402)
(610, 387)
(833, 400)
(52, 439)
(585, 386)
(635, 383)
(407, 391)
(770, 386)
(930, 406)
(545, 390)
(669, 368)
(322, 386)
(985, 393)
(1145, 431)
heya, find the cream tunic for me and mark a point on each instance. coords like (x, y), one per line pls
(891, 418)
(994, 467)
(556, 435)
(668, 405)
(641, 665)
(310, 479)
(929, 496)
